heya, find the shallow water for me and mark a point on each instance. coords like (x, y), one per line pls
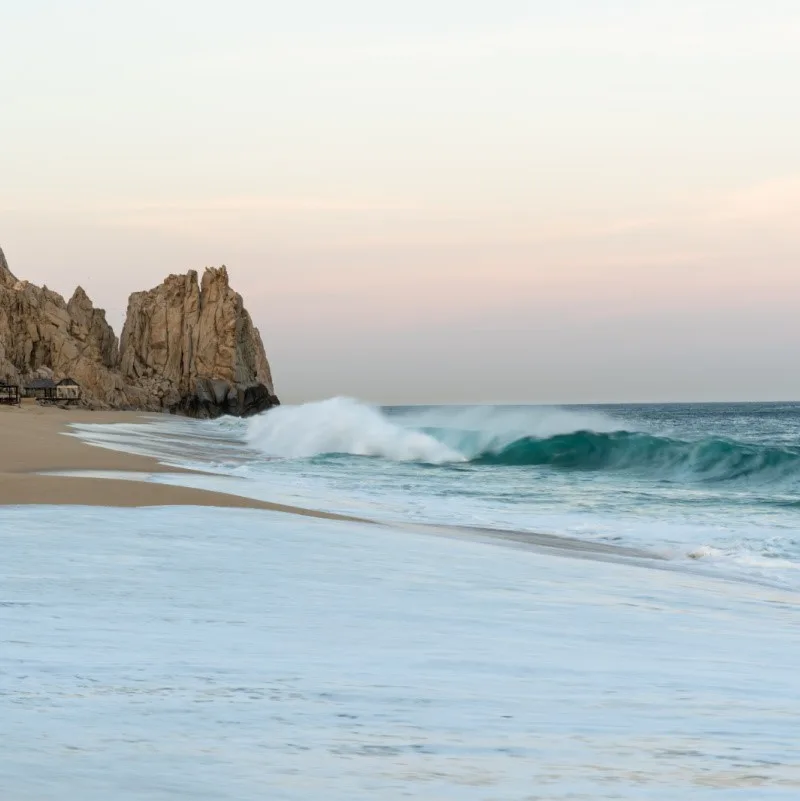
(232, 654)
(718, 483)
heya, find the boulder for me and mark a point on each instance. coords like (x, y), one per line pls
(213, 398)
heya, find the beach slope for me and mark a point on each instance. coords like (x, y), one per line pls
(34, 441)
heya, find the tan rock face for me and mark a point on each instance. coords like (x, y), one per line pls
(227, 344)
(6, 278)
(88, 325)
(182, 334)
(155, 348)
(185, 346)
(39, 331)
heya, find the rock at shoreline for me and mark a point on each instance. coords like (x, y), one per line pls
(194, 346)
(186, 347)
(213, 398)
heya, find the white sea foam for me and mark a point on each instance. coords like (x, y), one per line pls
(267, 458)
(342, 426)
(434, 435)
(533, 421)
(185, 653)
(705, 552)
(477, 430)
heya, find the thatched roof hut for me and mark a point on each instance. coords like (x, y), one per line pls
(68, 389)
(9, 393)
(41, 389)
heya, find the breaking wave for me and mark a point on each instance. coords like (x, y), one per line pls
(562, 439)
(343, 426)
(710, 459)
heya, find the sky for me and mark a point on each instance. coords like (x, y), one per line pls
(428, 202)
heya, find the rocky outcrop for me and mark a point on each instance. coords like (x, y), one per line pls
(186, 346)
(212, 398)
(42, 335)
(194, 346)
(6, 278)
(88, 325)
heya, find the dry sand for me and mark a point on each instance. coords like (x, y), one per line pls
(33, 441)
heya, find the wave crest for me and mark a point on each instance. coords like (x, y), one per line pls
(342, 426)
(556, 438)
(710, 459)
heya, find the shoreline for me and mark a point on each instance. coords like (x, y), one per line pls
(35, 442)
(38, 454)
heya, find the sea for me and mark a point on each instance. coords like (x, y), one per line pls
(578, 602)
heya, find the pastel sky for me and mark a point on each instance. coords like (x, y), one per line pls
(428, 201)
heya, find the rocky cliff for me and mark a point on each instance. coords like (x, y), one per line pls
(194, 346)
(43, 336)
(186, 346)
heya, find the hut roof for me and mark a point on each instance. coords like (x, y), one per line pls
(68, 382)
(41, 383)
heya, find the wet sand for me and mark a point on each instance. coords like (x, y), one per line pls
(33, 440)
(554, 544)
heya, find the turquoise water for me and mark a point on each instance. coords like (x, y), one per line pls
(717, 484)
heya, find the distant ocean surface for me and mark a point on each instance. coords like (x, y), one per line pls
(717, 483)
(182, 653)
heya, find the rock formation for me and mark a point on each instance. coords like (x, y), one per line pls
(89, 325)
(194, 346)
(42, 335)
(6, 278)
(185, 347)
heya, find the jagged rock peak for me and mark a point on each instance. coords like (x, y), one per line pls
(193, 344)
(6, 276)
(187, 345)
(80, 297)
(41, 334)
(89, 325)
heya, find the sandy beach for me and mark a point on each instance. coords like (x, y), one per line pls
(34, 441)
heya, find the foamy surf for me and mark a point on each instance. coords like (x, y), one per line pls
(715, 487)
(342, 426)
(252, 655)
(514, 437)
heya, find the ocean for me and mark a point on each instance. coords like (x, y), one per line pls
(451, 648)
(714, 483)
